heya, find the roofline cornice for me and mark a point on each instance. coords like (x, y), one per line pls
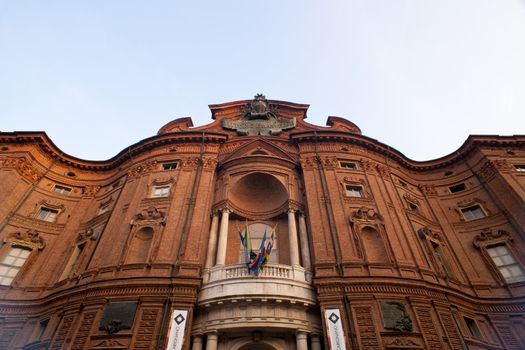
(471, 143)
(49, 148)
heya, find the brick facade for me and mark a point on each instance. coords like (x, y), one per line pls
(405, 250)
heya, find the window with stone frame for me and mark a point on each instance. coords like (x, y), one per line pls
(11, 264)
(473, 212)
(347, 165)
(472, 327)
(497, 250)
(47, 214)
(16, 252)
(354, 191)
(65, 191)
(161, 191)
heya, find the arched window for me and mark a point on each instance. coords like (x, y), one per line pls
(373, 245)
(138, 250)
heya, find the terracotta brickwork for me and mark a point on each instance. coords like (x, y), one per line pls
(414, 255)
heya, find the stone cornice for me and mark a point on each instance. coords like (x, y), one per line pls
(328, 287)
(472, 142)
(50, 149)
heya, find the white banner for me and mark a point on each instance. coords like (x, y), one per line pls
(335, 329)
(177, 327)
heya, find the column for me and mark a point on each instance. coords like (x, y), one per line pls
(292, 232)
(197, 343)
(211, 341)
(305, 248)
(223, 237)
(301, 341)
(212, 243)
(316, 342)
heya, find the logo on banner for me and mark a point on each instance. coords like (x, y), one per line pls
(335, 329)
(177, 328)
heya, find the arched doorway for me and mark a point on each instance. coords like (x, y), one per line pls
(257, 346)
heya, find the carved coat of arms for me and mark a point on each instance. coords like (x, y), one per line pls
(259, 119)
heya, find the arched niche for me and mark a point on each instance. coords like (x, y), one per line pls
(257, 194)
(373, 245)
(138, 251)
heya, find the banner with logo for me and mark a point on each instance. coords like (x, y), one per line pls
(335, 329)
(177, 327)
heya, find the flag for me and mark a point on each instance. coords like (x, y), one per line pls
(254, 266)
(269, 246)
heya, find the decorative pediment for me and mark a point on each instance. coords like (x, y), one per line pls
(490, 237)
(366, 215)
(31, 239)
(259, 148)
(148, 217)
(259, 119)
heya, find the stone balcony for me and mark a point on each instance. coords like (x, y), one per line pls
(274, 282)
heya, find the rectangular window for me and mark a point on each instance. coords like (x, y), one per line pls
(169, 166)
(506, 264)
(472, 213)
(457, 188)
(519, 167)
(11, 264)
(62, 190)
(46, 214)
(472, 327)
(347, 165)
(161, 191)
(354, 191)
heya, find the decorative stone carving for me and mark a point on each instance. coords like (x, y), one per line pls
(142, 169)
(411, 199)
(402, 343)
(383, 171)
(90, 191)
(86, 235)
(31, 239)
(148, 217)
(427, 233)
(23, 167)
(259, 119)
(395, 317)
(491, 167)
(429, 190)
(489, 237)
(367, 215)
(118, 316)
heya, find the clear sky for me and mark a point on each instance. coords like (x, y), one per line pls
(420, 76)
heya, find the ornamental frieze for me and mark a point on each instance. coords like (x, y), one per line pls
(23, 167)
(30, 239)
(90, 190)
(429, 190)
(142, 169)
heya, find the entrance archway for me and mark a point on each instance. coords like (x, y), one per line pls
(257, 346)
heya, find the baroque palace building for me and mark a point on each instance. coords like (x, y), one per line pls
(371, 250)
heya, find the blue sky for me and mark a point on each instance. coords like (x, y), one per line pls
(419, 76)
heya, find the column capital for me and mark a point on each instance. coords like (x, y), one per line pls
(225, 210)
(291, 210)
